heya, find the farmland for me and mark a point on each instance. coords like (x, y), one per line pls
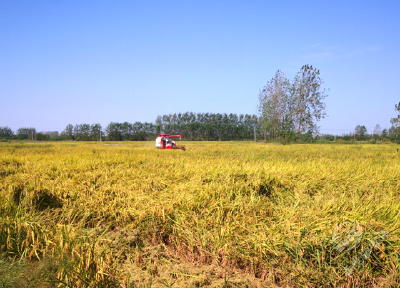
(221, 214)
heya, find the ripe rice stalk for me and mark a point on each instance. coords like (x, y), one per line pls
(131, 213)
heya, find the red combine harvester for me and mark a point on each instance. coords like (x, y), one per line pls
(164, 141)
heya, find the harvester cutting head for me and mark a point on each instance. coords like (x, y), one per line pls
(164, 141)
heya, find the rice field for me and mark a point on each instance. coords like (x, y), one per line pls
(221, 214)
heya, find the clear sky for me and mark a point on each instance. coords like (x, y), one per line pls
(97, 61)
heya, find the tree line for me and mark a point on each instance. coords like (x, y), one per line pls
(361, 133)
(288, 110)
(192, 126)
(22, 133)
(209, 126)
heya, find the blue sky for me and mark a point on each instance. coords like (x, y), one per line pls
(90, 62)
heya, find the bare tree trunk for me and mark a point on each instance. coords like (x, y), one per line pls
(298, 132)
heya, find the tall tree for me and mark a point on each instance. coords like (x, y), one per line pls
(26, 133)
(396, 121)
(95, 130)
(309, 107)
(159, 123)
(82, 132)
(6, 132)
(68, 132)
(384, 133)
(394, 131)
(274, 104)
(360, 131)
(377, 130)
(114, 132)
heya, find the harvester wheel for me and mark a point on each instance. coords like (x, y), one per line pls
(179, 147)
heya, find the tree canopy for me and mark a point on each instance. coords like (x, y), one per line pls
(286, 108)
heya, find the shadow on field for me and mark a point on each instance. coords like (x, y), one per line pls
(41, 199)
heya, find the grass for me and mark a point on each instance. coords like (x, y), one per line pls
(221, 214)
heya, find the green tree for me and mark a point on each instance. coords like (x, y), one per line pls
(42, 137)
(95, 130)
(274, 104)
(6, 132)
(308, 107)
(26, 133)
(384, 133)
(114, 131)
(203, 126)
(82, 132)
(68, 132)
(394, 131)
(396, 121)
(361, 132)
(307, 137)
(286, 130)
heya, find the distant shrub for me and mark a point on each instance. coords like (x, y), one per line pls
(41, 137)
(322, 141)
(307, 137)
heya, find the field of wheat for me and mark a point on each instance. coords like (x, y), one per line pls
(221, 214)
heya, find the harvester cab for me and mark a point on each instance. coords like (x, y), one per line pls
(164, 141)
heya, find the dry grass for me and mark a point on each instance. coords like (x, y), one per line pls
(221, 214)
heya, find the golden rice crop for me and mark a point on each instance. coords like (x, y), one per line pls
(221, 213)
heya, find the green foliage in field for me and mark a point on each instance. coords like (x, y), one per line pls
(231, 213)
